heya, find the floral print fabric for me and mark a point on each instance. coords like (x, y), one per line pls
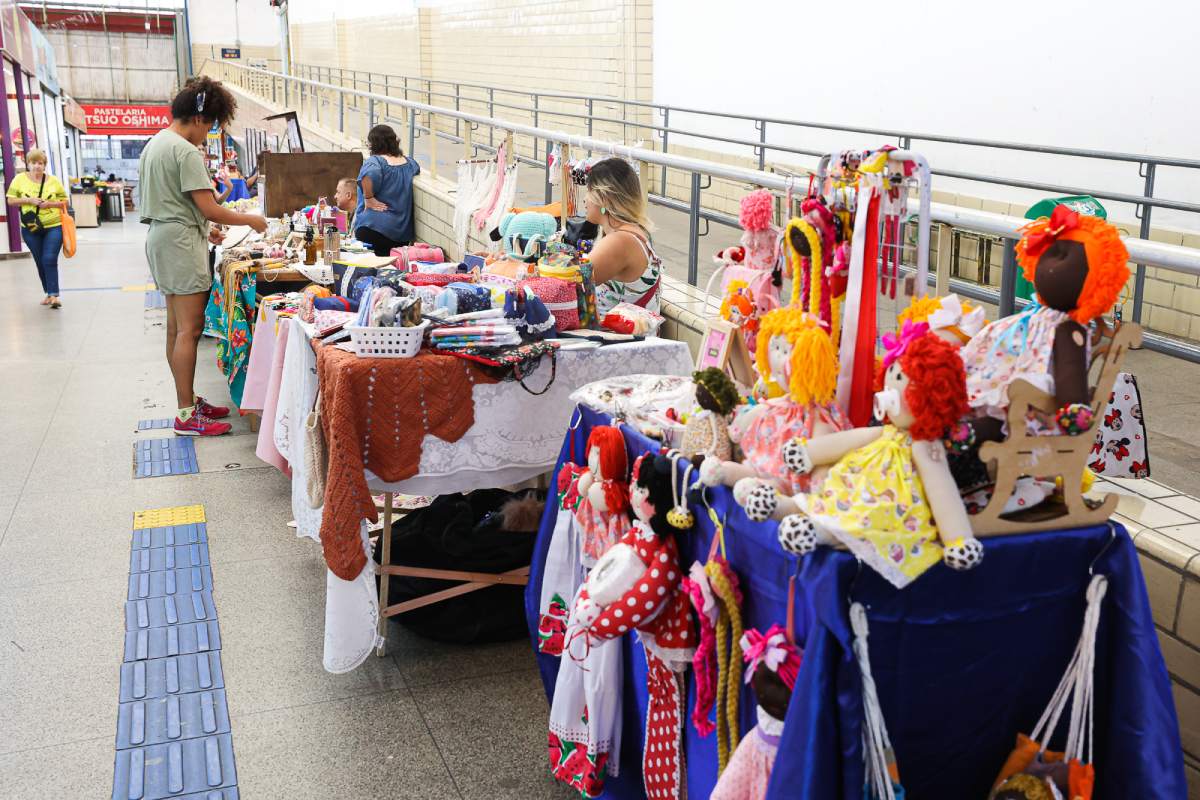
(1013, 348)
(780, 421)
(228, 319)
(873, 501)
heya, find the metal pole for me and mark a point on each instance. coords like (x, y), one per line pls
(411, 115)
(1139, 281)
(457, 107)
(6, 150)
(492, 114)
(1008, 278)
(666, 120)
(591, 113)
(546, 164)
(371, 113)
(762, 138)
(341, 112)
(694, 231)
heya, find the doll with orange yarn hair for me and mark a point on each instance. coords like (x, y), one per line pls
(1078, 265)
(739, 308)
(603, 510)
(797, 364)
(889, 496)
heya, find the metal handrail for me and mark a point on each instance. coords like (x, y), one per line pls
(1141, 250)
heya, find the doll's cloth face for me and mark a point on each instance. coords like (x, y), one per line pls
(771, 692)
(1060, 274)
(594, 461)
(779, 359)
(639, 498)
(895, 379)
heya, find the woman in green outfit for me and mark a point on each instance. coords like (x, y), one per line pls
(177, 202)
(41, 198)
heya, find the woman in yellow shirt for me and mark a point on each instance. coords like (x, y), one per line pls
(41, 198)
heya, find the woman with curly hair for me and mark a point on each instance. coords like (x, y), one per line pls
(176, 200)
(383, 218)
(889, 496)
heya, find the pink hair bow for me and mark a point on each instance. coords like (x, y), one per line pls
(775, 651)
(894, 346)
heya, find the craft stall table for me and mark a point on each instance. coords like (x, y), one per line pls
(962, 661)
(481, 434)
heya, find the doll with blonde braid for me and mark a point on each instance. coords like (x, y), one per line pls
(797, 362)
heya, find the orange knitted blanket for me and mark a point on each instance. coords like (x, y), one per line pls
(375, 413)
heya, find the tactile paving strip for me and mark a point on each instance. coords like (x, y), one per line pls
(154, 424)
(156, 299)
(154, 458)
(175, 515)
(173, 738)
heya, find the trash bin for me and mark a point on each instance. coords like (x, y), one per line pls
(113, 209)
(1080, 204)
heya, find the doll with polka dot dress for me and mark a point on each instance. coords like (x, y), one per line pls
(636, 586)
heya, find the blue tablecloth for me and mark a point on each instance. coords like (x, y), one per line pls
(963, 661)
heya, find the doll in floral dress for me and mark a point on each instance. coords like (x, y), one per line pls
(797, 359)
(889, 496)
(602, 510)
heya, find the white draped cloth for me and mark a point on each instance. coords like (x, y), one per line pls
(516, 436)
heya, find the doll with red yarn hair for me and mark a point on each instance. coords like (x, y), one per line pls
(603, 490)
(889, 496)
(1078, 265)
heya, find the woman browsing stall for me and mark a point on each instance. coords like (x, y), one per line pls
(624, 265)
(41, 199)
(178, 203)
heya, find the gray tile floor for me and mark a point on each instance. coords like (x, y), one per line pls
(429, 721)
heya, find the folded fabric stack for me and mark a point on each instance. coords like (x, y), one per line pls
(482, 329)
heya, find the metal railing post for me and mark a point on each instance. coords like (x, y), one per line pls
(762, 138)
(666, 123)
(492, 114)
(457, 107)
(694, 231)
(371, 114)
(341, 111)
(591, 114)
(412, 131)
(1008, 279)
(1139, 281)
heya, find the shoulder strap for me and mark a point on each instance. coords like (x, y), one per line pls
(42, 185)
(642, 243)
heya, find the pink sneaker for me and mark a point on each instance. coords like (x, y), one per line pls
(200, 425)
(204, 408)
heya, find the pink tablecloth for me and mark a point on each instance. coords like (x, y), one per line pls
(266, 449)
(262, 351)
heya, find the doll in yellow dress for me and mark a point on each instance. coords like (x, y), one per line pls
(889, 496)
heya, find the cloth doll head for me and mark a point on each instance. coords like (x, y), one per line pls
(823, 221)
(948, 317)
(773, 665)
(1077, 263)
(795, 352)
(715, 391)
(738, 306)
(757, 211)
(925, 384)
(608, 462)
(652, 493)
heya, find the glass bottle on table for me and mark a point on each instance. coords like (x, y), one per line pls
(310, 247)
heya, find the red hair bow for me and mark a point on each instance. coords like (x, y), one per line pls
(1042, 233)
(894, 346)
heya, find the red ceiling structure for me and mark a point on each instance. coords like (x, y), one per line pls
(98, 18)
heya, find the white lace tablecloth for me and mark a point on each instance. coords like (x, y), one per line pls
(516, 436)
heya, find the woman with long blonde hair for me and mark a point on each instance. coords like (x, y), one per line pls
(624, 265)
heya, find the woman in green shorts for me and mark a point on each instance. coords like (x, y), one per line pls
(176, 200)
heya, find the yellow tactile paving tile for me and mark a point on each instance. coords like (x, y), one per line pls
(166, 517)
(141, 287)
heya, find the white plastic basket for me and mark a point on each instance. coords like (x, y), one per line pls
(387, 342)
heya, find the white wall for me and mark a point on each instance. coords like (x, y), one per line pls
(213, 21)
(1105, 74)
(301, 11)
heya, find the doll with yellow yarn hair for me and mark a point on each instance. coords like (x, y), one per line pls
(948, 318)
(797, 362)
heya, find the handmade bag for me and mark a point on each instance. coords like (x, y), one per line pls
(579, 229)
(407, 255)
(1121, 449)
(346, 277)
(316, 457)
(560, 298)
(514, 363)
(1031, 770)
(68, 231)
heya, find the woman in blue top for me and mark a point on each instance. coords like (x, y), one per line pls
(384, 215)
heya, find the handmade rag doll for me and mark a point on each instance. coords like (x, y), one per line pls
(1078, 265)
(636, 586)
(707, 432)
(796, 357)
(774, 663)
(948, 317)
(889, 496)
(738, 308)
(602, 512)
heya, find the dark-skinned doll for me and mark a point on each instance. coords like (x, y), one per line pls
(1078, 265)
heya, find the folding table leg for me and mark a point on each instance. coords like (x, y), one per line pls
(385, 560)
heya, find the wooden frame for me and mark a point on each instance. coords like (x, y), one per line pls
(1065, 457)
(471, 581)
(724, 347)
